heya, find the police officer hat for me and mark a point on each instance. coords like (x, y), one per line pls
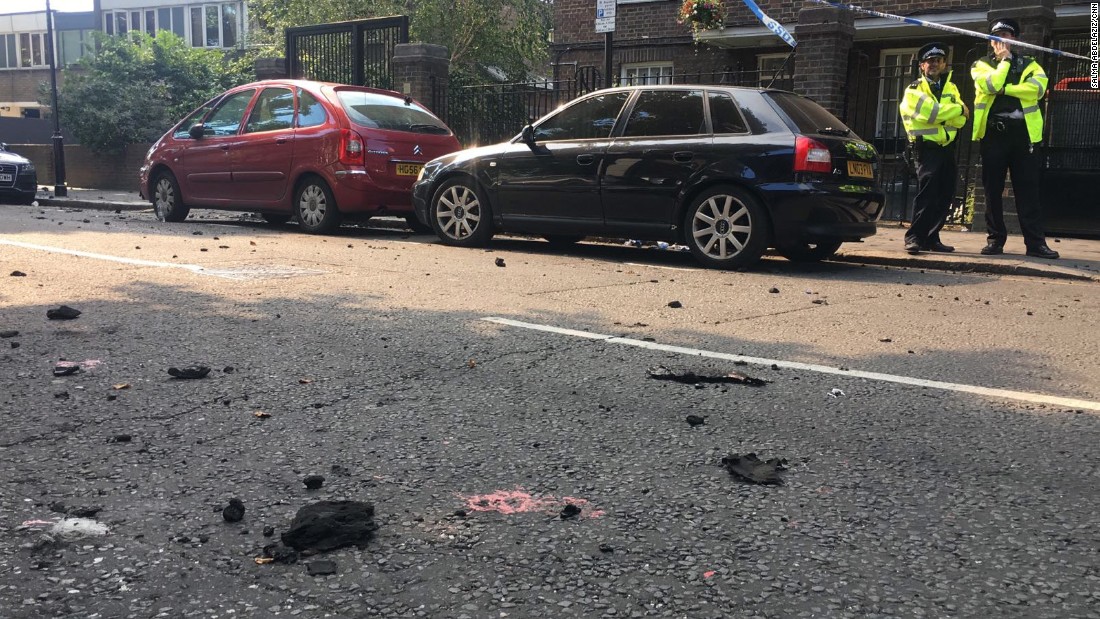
(931, 50)
(1005, 25)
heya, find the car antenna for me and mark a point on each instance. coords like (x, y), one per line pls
(781, 68)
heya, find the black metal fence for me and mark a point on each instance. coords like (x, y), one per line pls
(1072, 128)
(354, 52)
(489, 113)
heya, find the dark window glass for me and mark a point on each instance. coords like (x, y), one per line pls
(229, 25)
(385, 112)
(164, 19)
(178, 25)
(151, 23)
(274, 110)
(183, 130)
(310, 111)
(226, 119)
(724, 115)
(213, 39)
(196, 26)
(808, 116)
(109, 23)
(667, 112)
(590, 118)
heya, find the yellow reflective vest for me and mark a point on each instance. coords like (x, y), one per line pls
(989, 82)
(925, 116)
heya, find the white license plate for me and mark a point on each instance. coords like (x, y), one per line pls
(860, 169)
(408, 169)
(6, 178)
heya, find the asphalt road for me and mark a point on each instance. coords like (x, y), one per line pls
(941, 430)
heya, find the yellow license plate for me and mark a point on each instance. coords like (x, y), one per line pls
(861, 169)
(409, 169)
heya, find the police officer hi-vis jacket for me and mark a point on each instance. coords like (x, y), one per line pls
(931, 114)
(1019, 77)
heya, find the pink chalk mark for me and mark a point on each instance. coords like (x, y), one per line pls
(84, 365)
(709, 573)
(39, 523)
(520, 501)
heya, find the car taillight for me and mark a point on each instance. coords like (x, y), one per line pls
(351, 148)
(811, 156)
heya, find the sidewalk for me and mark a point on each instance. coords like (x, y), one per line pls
(1080, 258)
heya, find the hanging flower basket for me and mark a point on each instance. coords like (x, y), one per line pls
(701, 14)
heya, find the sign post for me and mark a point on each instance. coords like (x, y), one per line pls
(605, 23)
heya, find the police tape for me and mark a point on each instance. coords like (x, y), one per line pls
(928, 24)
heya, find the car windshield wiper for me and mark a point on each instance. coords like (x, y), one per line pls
(426, 128)
(832, 131)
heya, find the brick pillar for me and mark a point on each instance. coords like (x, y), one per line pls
(421, 70)
(1036, 19)
(821, 65)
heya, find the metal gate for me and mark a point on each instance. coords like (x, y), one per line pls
(353, 52)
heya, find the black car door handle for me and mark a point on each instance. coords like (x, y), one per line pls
(683, 156)
(225, 147)
(586, 159)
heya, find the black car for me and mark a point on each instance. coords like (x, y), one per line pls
(18, 178)
(727, 171)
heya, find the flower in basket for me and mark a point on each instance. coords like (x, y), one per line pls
(701, 14)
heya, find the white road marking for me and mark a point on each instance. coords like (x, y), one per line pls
(657, 266)
(1035, 398)
(241, 273)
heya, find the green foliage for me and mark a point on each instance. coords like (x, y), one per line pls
(510, 34)
(135, 87)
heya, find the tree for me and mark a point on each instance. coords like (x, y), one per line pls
(135, 87)
(509, 34)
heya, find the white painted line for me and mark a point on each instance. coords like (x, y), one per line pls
(240, 273)
(1035, 398)
(657, 266)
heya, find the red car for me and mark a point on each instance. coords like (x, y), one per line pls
(314, 151)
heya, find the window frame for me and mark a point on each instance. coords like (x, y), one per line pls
(661, 78)
(903, 78)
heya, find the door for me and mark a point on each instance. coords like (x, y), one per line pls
(664, 142)
(208, 161)
(554, 184)
(262, 159)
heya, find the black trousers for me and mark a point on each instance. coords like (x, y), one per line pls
(1006, 147)
(936, 172)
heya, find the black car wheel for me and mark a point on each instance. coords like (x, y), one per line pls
(315, 207)
(808, 252)
(460, 214)
(417, 227)
(167, 199)
(563, 240)
(726, 228)
(275, 219)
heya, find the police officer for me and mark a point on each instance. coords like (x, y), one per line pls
(1008, 122)
(932, 111)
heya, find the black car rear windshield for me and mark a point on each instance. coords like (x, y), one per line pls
(378, 111)
(809, 117)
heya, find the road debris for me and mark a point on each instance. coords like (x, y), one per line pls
(7, 334)
(120, 386)
(752, 469)
(500, 262)
(327, 525)
(120, 438)
(261, 414)
(691, 377)
(695, 420)
(520, 501)
(65, 370)
(314, 482)
(190, 372)
(569, 511)
(675, 304)
(322, 567)
(234, 512)
(835, 393)
(63, 313)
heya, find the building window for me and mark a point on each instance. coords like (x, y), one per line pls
(648, 73)
(895, 72)
(72, 45)
(23, 50)
(768, 64)
(205, 25)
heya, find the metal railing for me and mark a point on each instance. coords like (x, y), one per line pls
(355, 52)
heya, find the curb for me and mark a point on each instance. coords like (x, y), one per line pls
(94, 204)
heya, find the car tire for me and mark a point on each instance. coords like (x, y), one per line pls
(275, 219)
(315, 207)
(726, 228)
(414, 224)
(563, 240)
(167, 200)
(460, 214)
(809, 252)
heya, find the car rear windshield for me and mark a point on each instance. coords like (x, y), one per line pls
(377, 111)
(808, 116)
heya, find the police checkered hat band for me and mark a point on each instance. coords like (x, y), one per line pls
(935, 51)
(1004, 25)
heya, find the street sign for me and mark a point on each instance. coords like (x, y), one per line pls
(605, 15)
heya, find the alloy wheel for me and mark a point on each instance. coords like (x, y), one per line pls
(458, 212)
(721, 226)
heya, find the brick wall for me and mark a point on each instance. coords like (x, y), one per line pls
(23, 84)
(87, 169)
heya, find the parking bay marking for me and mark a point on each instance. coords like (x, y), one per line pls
(1035, 398)
(240, 273)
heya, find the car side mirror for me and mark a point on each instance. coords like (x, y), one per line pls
(528, 135)
(197, 131)
(3, 146)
